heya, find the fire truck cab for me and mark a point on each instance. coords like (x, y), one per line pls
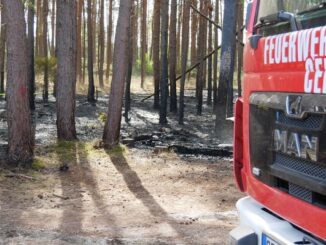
(280, 125)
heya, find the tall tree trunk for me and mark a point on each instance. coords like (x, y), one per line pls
(184, 57)
(66, 71)
(217, 4)
(136, 33)
(132, 32)
(143, 41)
(227, 60)
(201, 54)
(111, 133)
(194, 28)
(30, 51)
(156, 52)
(84, 43)
(101, 45)
(53, 27)
(109, 40)
(240, 47)
(80, 5)
(45, 51)
(178, 44)
(164, 60)
(39, 29)
(91, 88)
(2, 51)
(210, 59)
(20, 133)
(173, 56)
(94, 19)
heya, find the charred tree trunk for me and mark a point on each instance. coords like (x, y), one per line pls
(109, 40)
(30, 51)
(20, 133)
(101, 46)
(216, 54)
(184, 57)
(201, 49)
(156, 53)
(164, 60)
(143, 41)
(66, 71)
(225, 96)
(131, 30)
(45, 51)
(2, 51)
(111, 133)
(173, 56)
(90, 67)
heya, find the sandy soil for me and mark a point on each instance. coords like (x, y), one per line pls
(83, 195)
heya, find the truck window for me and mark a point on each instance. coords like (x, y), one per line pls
(307, 14)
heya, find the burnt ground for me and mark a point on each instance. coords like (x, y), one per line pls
(169, 185)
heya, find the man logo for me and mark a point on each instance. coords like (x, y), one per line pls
(293, 106)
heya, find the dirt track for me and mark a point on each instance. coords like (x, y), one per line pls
(126, 196)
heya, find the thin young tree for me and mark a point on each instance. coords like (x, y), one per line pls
(111, 133)
(20, 133)
(66, 71)
(2, 52)
(173, 56)
(164, 60)
(184, 56)
(143, 41)
(90, 67)
(30, 50)
(156, 52)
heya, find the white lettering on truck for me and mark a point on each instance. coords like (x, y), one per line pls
(307, 46)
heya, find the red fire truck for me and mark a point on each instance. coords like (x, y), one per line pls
(280, 125)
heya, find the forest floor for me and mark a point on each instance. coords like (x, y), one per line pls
(169, 185)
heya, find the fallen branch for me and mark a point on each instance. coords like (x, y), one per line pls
(187, 71)
(205, 17)
(61, 197)
(217, 152)
(19, 176)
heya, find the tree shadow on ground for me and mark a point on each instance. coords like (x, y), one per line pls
(76, 182)
(135, 185)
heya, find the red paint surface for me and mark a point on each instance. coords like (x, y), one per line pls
(287, 77)
(22, 90)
